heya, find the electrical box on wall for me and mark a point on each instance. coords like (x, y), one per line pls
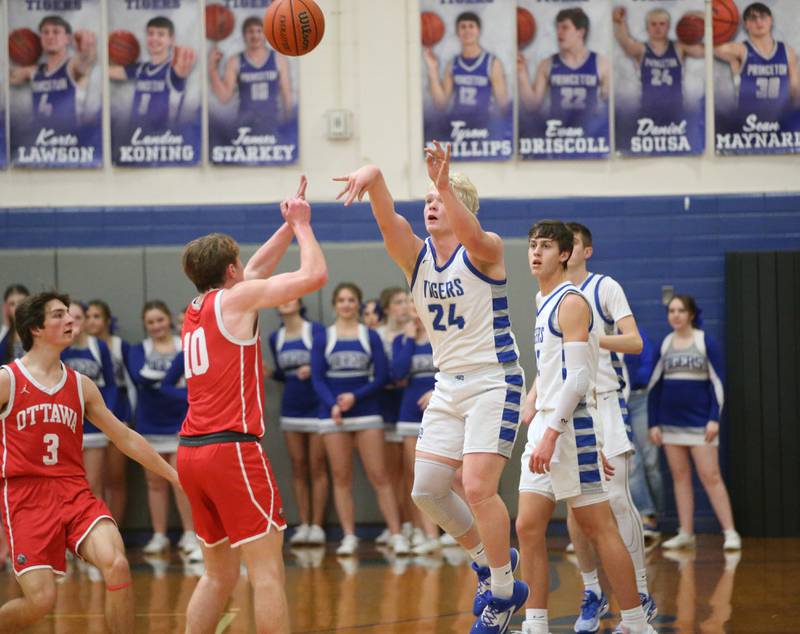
(339, 124)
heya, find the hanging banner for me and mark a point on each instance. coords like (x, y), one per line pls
(252, 90)
(155, 82)
(467, 77)
(3, 76)
(659, 77)
(56, 84)
(756, 77)
(563, 79)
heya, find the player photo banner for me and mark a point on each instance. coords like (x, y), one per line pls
(252, 90)
(155, 82)
(756, 76)
(467, 77)
(3, 79)
(563, 79)
(659, 77)
(55, 76)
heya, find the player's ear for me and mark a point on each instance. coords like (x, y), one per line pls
(588, 252)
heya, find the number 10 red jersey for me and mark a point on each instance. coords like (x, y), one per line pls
(223, 373)
(42, 427)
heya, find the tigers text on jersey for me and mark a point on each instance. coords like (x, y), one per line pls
(609, 305)
(42, 427)
(549, 345)
(465, 313)
(223, 373)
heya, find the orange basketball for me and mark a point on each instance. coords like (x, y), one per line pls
(219, 22)
(725, 15)
(294, 27)
(431, 28)
(123, 47)
(526, 27)
(24, 47)
(691, 28)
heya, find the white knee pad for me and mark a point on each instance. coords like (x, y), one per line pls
(628, 518)
(434, 495)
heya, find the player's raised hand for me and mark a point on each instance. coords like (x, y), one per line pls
(214, 57)
(183, 60)
(301, 190)
(618, 15)
(296, 211)
(357, 183)
(437, 159)
(85, 41)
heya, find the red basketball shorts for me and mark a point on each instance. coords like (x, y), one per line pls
(43, 517)
(232, 491)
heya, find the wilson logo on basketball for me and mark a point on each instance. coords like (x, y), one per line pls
(305, 27)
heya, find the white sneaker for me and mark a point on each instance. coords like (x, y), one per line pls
(188, 542)
(621, 629)
(529, 627)
(448, 540)
(195, 556)
(407, 529)
(733, 541)
(383, 538)
(681, 540)
(300, 534)
(417, 537)
(316, 535)
(348, 546)
(426, 547)
(399, 544)
(158, 544)
(570, 548)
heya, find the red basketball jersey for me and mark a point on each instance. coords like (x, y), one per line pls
(223, 373)
(42, 428)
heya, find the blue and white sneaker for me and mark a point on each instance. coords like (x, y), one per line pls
(485, 582)
(496, 616)
(649, 607)
(593, 609)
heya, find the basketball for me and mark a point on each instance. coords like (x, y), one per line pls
(24, 47)
(431, 28)
(526, 27)
(725, 15)
(219, 22)
(294, 27)
(123, 47)
(691, 27)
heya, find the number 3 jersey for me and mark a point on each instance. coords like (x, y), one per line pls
(223, 373)
(465, 313)
(42, 427)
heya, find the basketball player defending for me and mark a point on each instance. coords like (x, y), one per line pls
(618, 334)
(235, 501)
(764, 68)
(48, 504)
(55, 83)
(562, 459)
(458, 284)
(660, 61)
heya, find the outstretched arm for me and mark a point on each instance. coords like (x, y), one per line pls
(499, 87)
(82, 63)
(691, 50)
(401, 243)
(484, 246)
(127, 441)
(264, 261)
(440, 90)
(633, 48)
(19, 75)
(732, 53)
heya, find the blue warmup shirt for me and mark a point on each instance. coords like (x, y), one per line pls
(158, 411)
(95, 362)
(299, 398)
(412, 361)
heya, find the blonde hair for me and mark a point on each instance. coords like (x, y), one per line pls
(465, 191)
(658, 12)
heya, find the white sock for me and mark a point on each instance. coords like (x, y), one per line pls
(502, 581)
(641, 581)
(634, 619)
(591, 582)
(478, 555)
(537, 617)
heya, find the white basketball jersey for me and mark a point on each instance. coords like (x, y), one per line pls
(549, 345)
(609, 305)
(465, 313)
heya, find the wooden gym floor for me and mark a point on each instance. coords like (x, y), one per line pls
(696, 591)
